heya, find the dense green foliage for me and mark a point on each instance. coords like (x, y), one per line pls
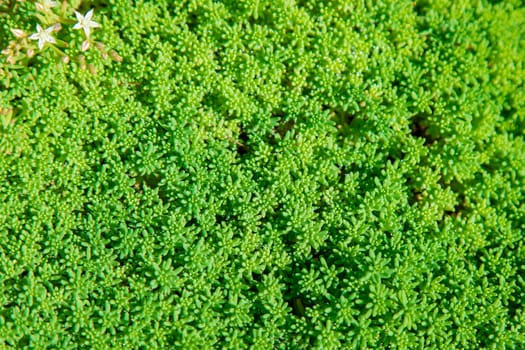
(266, 174)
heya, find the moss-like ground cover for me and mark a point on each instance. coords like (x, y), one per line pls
(264, 174)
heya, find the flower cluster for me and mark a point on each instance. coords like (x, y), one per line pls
(52, 19)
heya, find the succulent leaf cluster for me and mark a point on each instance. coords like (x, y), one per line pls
(264, 175)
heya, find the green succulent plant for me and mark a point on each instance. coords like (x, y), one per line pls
(262, 174)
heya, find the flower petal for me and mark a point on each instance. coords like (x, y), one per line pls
(80, 18)
(88, 15)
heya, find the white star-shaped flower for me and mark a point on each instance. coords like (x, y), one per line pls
(85, 22)
(43, 36)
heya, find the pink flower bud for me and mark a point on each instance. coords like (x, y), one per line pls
(99, 45)
(56, 27)
(92, 69)
(19, 33)
(85, 45)
(115, 56)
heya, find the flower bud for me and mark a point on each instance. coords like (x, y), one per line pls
(19, 33)
(65, 59)
(92, 69)
(115, 56)
(82, 60)
(85, 45)
(30, 52)
(99, 45)
(56, 27)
